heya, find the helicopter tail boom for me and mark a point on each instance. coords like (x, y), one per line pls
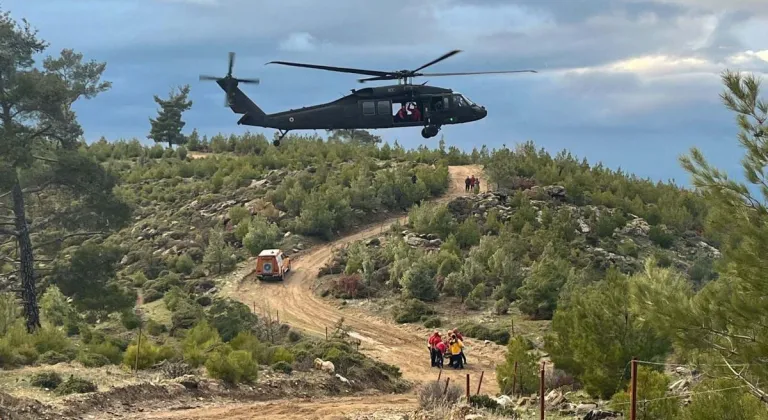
(239, 102)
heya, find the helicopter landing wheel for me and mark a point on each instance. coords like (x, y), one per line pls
(276, 143)
(429, 131)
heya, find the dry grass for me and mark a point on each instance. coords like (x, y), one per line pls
(17, 381)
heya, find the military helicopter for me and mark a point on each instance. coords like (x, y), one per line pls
(368, 108)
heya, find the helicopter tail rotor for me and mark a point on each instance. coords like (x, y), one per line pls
(229, 82)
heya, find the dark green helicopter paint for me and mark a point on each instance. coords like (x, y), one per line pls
(368, 108)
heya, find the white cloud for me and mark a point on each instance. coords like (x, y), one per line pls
(299, 42)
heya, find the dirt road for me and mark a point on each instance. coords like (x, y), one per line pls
(402, 345)
(382, 339)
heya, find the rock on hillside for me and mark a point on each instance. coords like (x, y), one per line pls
(685, 248)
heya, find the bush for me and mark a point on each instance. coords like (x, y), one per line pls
(130, 320)
(233, 366)
(433, 322)
(501, 307)
(412, 310)
(282, 366)
(92, 359)
(75, 385)
(661, 237)
(46, 379)
(184, 264)
(498, 335)
(53, 357)
(527, 369)
(149, 355)
(483, 401)
(431, 395)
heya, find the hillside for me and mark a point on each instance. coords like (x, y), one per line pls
(126, 286)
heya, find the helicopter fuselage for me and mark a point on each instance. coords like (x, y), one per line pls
(376, 108)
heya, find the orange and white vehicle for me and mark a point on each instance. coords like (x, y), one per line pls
(272, 264)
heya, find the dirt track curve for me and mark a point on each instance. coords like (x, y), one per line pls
(401, 345)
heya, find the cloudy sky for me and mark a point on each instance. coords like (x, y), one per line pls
(631, 83)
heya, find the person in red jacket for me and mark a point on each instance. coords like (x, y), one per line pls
(434, 339)
(441, 349)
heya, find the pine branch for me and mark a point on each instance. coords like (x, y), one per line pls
(759, 393)
(30, 190)
(45, 159)
(4, 231)
(65, 237)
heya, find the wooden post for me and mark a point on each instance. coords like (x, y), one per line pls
(514, 382)
(138, 350)
(439, 374)
(467, 387)
(541, 392)
(326, 333)
(633, 391)
(278, 317)
(480, 383)
(447, 381)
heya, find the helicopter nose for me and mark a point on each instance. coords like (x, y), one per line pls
(482, 112)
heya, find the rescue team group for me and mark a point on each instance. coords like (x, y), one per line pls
(452, 346)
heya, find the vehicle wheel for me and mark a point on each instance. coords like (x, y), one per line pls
(425, 133)
(276, 143)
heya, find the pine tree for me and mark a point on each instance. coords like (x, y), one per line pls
(166, 128)
(39, 141)
(726, 322)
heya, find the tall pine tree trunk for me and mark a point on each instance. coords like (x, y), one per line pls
(27, 267)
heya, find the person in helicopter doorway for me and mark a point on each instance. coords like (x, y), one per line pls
(415, 113)
(402, 113)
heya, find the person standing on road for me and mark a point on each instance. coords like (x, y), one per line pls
(467, 182)
(461, 338)
(433, 340)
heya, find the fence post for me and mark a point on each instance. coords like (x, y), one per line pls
(514, 382)
(467, 388)
(138, 350)
(541, 391)
(633, 391)
(326, 333)
(479, 384)
(447, 381)
(439, 374)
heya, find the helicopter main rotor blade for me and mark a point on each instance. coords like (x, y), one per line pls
(231, 63)
(437, 60)
(205, 77)
(331, 68)
(477, 72)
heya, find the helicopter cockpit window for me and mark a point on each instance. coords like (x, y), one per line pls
(467, 100)
(458, 101)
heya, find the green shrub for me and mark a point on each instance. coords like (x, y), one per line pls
(92, 359)
(498, 335)
(282, 366)
(412, 310)
(198, 342)
(155, 328)
(149, 355)
(661, 237)
(130, 320)
(433, 322)
(75, 385)
(501, 307)
(53, 357)
(232, 366)
(527, 369)
(46, 379)
(184, 264)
